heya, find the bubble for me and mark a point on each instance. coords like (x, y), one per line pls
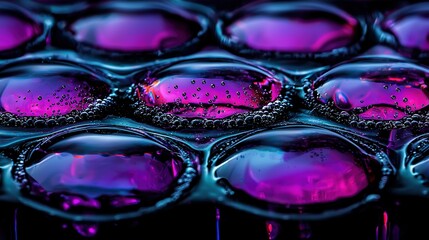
(371, 89)
(406, 22)
(17, 29)
(33, 91)
(133, 30)
(294, 167)
(103, 171)
(189, 89)
(297, 27)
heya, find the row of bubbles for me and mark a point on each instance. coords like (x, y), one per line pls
(274, 120)
(100, 173)
(112, 31)
(215, 93)
(202, 93)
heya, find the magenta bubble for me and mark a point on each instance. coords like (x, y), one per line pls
(410, 26)
(293, 27)
(294, 167)
(374, 90)
(121, 167)
(49, 90)
(134, 31)
(209, 89)
(16, 30)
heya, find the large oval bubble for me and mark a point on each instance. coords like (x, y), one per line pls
(372, 89)
(297, 166)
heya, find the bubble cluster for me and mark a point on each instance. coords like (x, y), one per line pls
(210, 93)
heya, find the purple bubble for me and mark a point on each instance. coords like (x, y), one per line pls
(134, 31)
(46, 91)
(89, 166)
(410, 26)
(376, 90)
(294, 27)
(294, 167)
(16, 30)
(209, 89)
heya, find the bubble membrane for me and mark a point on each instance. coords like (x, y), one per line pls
(21, 31)
(47, 92)
(399, 30)
(76, 174)
(168, 30)
(210, 93)
(300, 172)
(260, 31)
(371, 93)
